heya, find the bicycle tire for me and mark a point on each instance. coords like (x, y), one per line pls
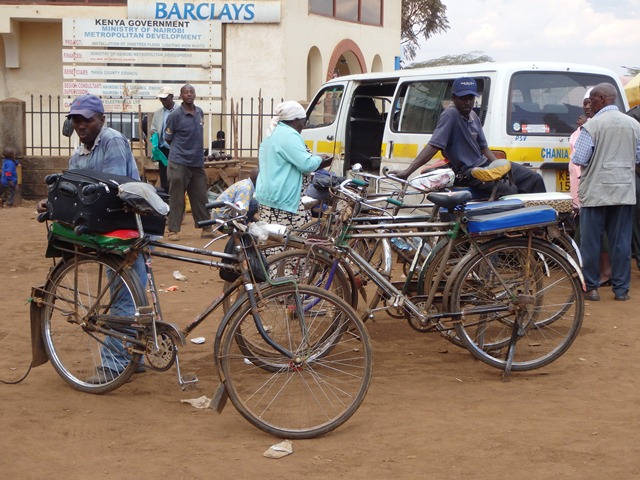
(318, 389)
(77, 352)
(313, 267)
(377, 253)
(541, 278)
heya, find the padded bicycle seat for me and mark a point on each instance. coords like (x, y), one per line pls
(472, 210)
(449, 200)
(492, 172)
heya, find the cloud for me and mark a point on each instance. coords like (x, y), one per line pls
(603, 33)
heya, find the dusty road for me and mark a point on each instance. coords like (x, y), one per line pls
(431, 412)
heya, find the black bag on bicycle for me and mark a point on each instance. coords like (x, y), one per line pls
(255, 257)
(88, 200)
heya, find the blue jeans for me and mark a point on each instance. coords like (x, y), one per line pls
(113, 355)
(617, 222)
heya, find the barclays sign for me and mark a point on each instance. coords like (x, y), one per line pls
(225, 12)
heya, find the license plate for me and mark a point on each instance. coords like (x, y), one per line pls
(562, 180)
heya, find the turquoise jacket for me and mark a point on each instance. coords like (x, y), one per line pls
(284, 159)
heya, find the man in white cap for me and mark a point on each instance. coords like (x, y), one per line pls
(284, 158)
(158, 124)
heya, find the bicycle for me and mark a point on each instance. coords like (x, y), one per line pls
(530, 307)
(294, 360)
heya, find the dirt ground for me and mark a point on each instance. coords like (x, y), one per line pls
(431, 411)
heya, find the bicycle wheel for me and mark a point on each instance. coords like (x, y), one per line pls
(79, 295)
(324, 381)
(523, 307)
(427, 281)
(377, 253)
(314, 267)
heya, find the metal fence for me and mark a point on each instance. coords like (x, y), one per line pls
(242, 121)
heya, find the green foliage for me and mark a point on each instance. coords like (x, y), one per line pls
(421, 19)
(462, 59)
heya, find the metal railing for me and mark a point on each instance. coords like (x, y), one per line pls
(243, 122)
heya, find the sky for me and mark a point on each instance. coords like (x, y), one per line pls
(604, 33)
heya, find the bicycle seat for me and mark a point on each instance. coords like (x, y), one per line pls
(449, 200)
(492, 172)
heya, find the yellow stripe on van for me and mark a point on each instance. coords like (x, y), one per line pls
(322, 146)
(405, 150)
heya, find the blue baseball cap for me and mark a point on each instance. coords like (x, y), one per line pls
(464, 86)
(87, 106)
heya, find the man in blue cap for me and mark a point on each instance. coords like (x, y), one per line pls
(102, 149)
(106, 150)
(458, 134)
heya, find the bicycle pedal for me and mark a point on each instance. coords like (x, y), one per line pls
(188, 381)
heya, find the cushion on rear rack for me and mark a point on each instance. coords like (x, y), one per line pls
(484, 208)
(519, 219)
(561, 202)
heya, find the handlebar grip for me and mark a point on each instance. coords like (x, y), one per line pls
(393, 201)
(43, 217)
(212, 205)
(360, 183)
(206, 223)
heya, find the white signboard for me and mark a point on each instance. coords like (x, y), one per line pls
(132, 33)
(142, 57)
(122, 105)
(99, 72)
(138, 90)
(198, 10)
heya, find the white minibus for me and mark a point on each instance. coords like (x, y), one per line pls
(528, 111)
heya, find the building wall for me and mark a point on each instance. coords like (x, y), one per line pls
(271, 58)
(288, 60)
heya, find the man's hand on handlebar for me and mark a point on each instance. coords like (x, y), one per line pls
(402, 174)
(326, 161)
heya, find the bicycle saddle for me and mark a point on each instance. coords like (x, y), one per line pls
(449, 200)
(492, 172)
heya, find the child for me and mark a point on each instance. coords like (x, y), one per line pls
(9, 176)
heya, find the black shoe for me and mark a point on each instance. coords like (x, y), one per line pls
(622, 298)
(102, 375)
(592, 295)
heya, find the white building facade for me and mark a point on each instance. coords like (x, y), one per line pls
(123, 51)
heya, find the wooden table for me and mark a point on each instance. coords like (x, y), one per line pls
(225, 171)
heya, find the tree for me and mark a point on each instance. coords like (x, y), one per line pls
(631, 71)
(463, 59)
(421, 19)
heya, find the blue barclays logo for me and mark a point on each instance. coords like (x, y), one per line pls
(225, 12)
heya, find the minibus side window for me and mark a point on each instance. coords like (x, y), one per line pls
(419, 104)
(549, 103)
(324, 110)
